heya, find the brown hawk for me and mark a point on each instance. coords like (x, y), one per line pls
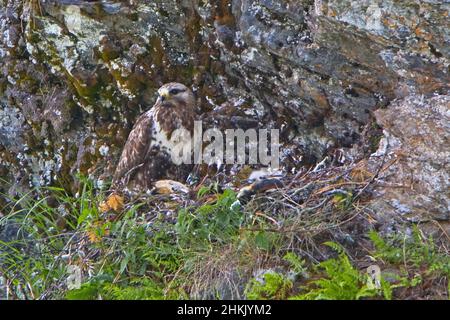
(146, 156)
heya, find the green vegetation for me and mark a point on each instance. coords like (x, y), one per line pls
(338, 279)
(417, 252)
(341, 281)
(207, 250)
(273, 286)
(209, 224)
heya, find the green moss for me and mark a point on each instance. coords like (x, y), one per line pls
(108, 55)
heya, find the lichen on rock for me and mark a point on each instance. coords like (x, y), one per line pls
(416, 151)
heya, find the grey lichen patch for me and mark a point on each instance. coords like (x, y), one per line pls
(11, 128)
(43, 171)
(85, 29)
(416, 134)
(415, 23)
(120, 68)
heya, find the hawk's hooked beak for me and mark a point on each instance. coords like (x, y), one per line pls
(163, 94)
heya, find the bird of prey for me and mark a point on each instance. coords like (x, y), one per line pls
(146, 156)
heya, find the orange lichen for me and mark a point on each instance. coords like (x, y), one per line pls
(422, 33)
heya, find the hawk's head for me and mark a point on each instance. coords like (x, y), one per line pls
(174, 93)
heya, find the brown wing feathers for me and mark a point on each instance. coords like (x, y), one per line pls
(135, 149)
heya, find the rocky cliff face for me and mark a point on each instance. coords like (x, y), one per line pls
(74, 75)
(415, 153)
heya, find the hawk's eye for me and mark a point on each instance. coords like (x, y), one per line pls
(175, 91)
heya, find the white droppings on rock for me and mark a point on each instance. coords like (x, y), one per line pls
(11, 80)
(103, 150)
